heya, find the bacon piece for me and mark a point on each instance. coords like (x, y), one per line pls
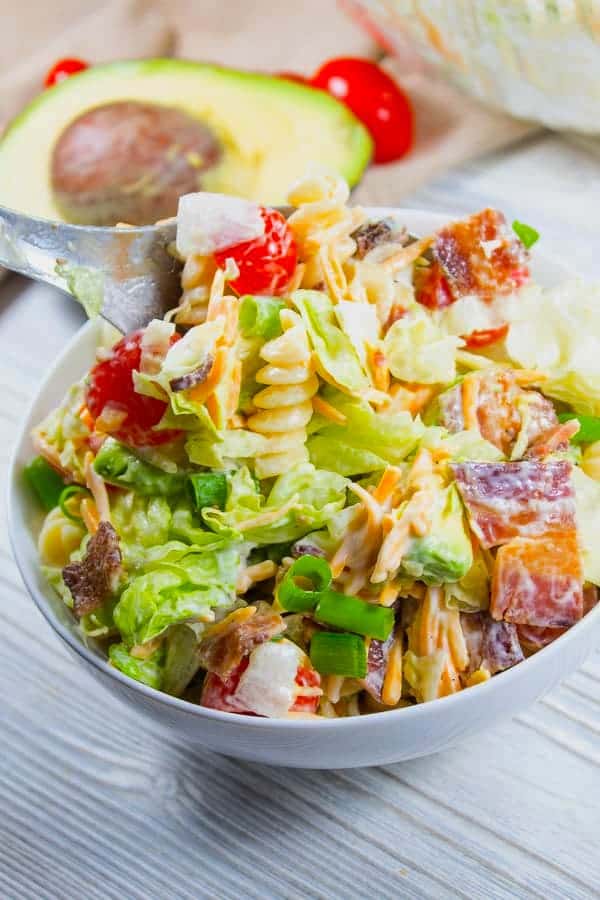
(539, 582)
(223, 651)
(554, 439)
(494, 645)
(533, 639)
(95, 579)
(590, 598)
(371, 235)
(479, 255)
(516, 499)
(500, 405)
(198, 376)
(377, 659)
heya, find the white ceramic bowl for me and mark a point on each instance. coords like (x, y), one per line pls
(339, 743)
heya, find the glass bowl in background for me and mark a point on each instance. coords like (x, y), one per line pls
(536, 59)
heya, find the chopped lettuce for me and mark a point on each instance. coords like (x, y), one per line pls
(564, 344)
(181, 661)
(367, 442)
(417, 350)
(300, 501)
(472, 592)
(226, 449)
(149, 671)
(463, 445)
(587, 501)
(336, 357)
(118, 465)
(184, 589)
(360, 323)
(445, 553)
(65, 432)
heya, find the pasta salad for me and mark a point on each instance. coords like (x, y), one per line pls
(355, 469)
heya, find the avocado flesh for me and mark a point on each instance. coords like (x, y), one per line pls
(271, 131)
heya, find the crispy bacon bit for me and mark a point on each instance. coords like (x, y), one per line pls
(493, 645)
(95, 579)
(590, 598)
(377, 659)
(374, 234)
(305, 548)
(556, 438)
(223, 650)
(539, 581)
(533, 639)
(485, 337)
(479, 255)
(198, 376)
(516, 499)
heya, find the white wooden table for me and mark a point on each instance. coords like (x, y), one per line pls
(97, 803)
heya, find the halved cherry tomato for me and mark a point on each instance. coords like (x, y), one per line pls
(266, 263)
(485, 337)
(111, 381)
(306, 677)
(375, 99)
(64, 68)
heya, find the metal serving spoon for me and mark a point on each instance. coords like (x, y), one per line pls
(125, 274)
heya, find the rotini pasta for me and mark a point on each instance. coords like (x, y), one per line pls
(58, 538)
(284, 406)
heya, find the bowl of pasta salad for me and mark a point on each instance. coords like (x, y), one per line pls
(339, 507)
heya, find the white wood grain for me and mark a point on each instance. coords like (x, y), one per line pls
(95, 802)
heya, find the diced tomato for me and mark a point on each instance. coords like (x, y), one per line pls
(307, 678)
(432, 288)
(374, 98)
(62, 69)
(294, 76)
(486, 336)
(111, 381)
(267, 263)
(538, 581)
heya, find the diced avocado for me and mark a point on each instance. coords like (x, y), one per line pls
(92, 149)
(444, 554)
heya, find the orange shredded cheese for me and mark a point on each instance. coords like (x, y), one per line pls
(470, 396)
(325, 409)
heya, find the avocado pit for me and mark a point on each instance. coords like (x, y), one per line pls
(129, 162)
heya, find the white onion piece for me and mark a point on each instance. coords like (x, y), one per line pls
(207, 223)
(268, 686)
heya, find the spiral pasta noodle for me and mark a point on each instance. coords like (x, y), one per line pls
(58, 538)
(284, 406)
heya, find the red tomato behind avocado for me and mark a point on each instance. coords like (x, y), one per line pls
(111, 381)
(375, 99)
(64, 68)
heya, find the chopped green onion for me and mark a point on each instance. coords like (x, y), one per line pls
(339, 654)
(70, 491)
(45, 482)
(526, 234)
(354, 614)
(589, 427)
(259, 316)
(293, 598)
(118, 465)
(209, 489)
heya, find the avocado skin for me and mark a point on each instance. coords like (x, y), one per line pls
(271, 130)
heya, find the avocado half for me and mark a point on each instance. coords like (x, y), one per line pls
(121, 141)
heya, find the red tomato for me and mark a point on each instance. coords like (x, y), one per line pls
(218, 693)
(375, 99)
(111, 381)
(266, 263)
(306, 677)
(432, 288)
(294, 76)
(64, 68)
(485, 337)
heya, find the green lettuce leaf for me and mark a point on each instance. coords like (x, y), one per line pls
(118, 465)
(336, 357)
(417, 350)
(300, 501)
(65, 432)
(175, 591)
(367, 442)
(226, 449)
(463, 445)
(587, 500)
(472, 592)
(149, 671)
(445, 554)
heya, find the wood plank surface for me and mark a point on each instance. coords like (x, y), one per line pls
(95, 802)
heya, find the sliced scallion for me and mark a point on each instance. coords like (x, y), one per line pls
(589, 427)
(339, 654)
(45, 482)
(294, 598)
(354, 614)
(209, 489)
(71, 490)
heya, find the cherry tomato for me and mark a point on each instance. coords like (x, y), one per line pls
(294, 76)
(485, 336)
(266, 263)
(375, 99)
(62, 69)
(306, 677)
(111, 381)
(432, 288)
